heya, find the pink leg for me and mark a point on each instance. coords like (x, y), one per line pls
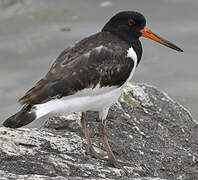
(91, 150)
(111, 157)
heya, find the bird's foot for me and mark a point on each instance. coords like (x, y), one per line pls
(118, 164)
(96, 155)
(115, 163)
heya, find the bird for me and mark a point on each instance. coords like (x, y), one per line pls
(90, 76)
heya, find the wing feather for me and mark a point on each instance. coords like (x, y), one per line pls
(98, 66)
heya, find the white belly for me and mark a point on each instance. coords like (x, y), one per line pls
(96, 99)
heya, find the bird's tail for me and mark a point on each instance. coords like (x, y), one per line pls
(25, 116)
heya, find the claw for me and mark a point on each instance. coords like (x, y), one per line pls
(115, 164)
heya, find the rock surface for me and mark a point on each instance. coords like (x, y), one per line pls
(147, 129)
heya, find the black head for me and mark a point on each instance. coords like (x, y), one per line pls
(130, 25)
(126, 25)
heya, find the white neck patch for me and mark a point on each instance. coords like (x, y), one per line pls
(132, 54)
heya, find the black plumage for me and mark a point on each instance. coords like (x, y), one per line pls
(101, 58)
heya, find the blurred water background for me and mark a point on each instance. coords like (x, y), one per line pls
(34, 32)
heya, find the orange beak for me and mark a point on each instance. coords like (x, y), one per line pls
(149, 34)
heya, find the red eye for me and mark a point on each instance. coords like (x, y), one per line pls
(131, 22)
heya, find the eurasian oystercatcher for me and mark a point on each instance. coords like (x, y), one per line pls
(90, 76)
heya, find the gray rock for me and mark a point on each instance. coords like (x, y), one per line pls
(147, 129)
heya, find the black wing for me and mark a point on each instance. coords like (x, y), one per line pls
(99, 66)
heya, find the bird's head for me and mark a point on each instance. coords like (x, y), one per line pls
(130, 25)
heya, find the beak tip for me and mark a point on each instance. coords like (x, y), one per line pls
(180, 50)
